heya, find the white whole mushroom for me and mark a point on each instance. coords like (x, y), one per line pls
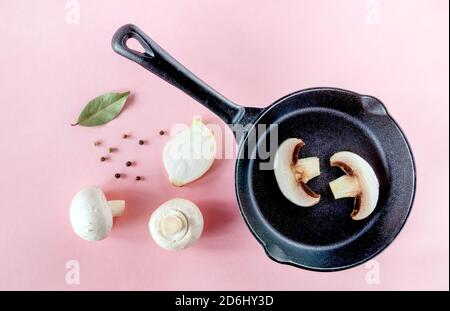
(91, 215)
(176, 224)
(360, 182)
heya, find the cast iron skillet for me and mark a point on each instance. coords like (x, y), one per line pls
(328, 120)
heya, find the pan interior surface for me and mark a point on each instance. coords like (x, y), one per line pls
(324, 132)
(324, 236)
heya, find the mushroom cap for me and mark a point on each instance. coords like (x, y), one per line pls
(292, 186)
(176, 224)
(189, 154)
(90, 216)
(355, 166)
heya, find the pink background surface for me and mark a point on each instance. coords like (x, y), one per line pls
(253, 52)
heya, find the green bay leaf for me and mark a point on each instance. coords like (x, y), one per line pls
(102, 109)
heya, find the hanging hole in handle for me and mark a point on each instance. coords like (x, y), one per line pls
(137, 45)
(134, 45)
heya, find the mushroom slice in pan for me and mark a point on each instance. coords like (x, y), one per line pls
(292, 174)
(360, 182)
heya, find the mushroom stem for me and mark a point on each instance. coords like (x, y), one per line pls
(173, 226)
(345, 187)
(176, 224)
(117, 207)
(307, 168)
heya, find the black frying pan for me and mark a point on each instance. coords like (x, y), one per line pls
(323, 237)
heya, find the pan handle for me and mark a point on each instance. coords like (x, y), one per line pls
(159, 62)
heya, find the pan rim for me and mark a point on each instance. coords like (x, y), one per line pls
(388, 241)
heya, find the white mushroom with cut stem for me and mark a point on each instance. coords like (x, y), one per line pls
(176, 224)
(360, 182)
(292, 174)
(189, 154)
(91, 215)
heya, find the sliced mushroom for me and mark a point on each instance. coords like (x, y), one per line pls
(176, 224)
(189, 154)
(292, 174)
(360, 182)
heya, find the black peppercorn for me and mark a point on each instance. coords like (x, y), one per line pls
(138, 178)
(128, 163)
(161, 132)
(141, 142)
(125, 136)
(117, 175)
(103, 159)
